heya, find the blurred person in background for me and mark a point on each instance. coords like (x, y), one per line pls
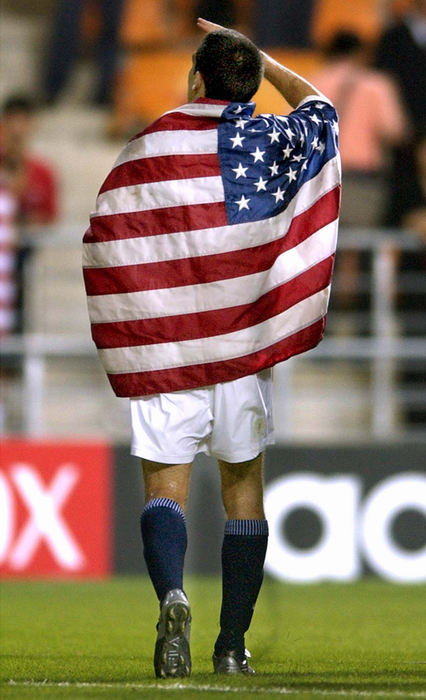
(372, 120)
(220, 11)
(65, 42)
(28, 179)
(401, 52)
(232, 13)
(286, 23)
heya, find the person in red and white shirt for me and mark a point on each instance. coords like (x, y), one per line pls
(29, 180)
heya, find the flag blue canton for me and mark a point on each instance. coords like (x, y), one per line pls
(265, 160)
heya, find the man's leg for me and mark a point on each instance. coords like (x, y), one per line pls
(164, 537)
(243, 556)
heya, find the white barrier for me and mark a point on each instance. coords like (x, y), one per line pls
(382, 348)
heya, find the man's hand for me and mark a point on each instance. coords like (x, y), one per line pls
(207, 26)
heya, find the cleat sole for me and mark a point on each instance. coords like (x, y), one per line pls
(172, 657)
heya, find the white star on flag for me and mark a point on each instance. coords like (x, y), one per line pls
(287, 151)
(237, 140)
(274, 136)
(240, 123)
(240, 171)
(320, 148)
(274, 168)
(314, 142)
(316, 119)
(243, 203)
(258, 154)
(291, 174)
(298, 158)
(279, 194)
(261, 184)
(238, 109)
(289, 133)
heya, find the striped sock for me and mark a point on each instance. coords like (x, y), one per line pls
(243, 556)
(164, 538)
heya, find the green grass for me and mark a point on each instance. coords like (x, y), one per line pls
(328, 640)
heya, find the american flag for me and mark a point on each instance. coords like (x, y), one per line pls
(210, 254)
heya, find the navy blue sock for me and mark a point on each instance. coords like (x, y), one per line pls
(164, 537)
(243, 556)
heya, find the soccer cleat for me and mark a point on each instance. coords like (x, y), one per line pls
(172, 656)
(229, 662)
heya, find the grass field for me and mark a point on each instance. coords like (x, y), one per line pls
(95, 640)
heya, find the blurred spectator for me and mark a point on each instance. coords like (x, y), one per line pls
(220, 11)
(65, 41)
(401, 51)
(371, 120)
(29, 180)
(286, 23)
(271, 24)
(230, 13)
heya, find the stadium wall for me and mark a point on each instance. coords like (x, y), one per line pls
(71, 509)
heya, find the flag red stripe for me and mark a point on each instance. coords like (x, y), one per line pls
(136, 384)
(178, 121)
(209, 268)
(161, 168)
(151, 223)
(218, 321)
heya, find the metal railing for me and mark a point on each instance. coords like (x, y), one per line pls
(382, 348)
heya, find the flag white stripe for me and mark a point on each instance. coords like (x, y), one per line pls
(174, 246)
(158, 195)
(167, 143)
(311, 191)
(214, 295)
(144, 358)
(200, 109)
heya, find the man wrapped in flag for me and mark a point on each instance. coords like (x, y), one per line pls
(208, 260)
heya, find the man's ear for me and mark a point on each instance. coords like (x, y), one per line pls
(198, 85)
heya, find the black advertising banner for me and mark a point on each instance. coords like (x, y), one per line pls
(334, 513)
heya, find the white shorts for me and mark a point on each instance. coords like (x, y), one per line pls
(230, 421)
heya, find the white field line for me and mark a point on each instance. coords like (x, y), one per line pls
(377, 693)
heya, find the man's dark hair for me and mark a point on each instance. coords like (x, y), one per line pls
(231, 66)
(19, 103)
